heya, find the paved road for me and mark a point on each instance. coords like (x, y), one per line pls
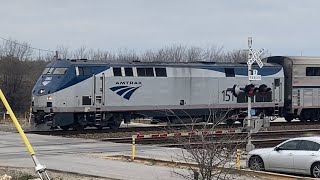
(80, 156)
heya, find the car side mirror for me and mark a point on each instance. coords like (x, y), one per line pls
(277, 148)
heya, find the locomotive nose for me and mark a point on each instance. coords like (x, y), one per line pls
(45, 87)
(43, 90)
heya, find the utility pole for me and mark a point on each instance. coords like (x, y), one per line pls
(249, 145)
(252, 57)
(56, 56)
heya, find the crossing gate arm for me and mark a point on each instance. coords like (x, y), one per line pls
(40, 169)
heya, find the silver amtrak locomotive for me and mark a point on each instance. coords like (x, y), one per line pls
(80, 93)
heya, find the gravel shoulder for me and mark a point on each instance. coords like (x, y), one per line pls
(29, 173)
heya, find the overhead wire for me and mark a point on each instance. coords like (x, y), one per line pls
(39, 49)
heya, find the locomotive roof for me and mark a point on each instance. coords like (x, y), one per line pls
(138, 63)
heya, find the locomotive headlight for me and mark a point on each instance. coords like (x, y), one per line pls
(49, 98)
(41, 91)
(32, 97)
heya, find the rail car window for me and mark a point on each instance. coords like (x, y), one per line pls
(85, 71)
(48, 71)
(128, 71)
(229, 72)
(60, 71)
(141, 72)
(313, 71)
(145, 72)
(117, 71)
(161, 72)
(149, 72)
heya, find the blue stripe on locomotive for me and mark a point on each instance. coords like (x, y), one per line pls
(243, 71)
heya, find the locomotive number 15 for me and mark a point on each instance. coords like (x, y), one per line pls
(227, 96)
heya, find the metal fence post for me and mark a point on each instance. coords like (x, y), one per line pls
(238, 159)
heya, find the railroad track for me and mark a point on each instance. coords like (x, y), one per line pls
(163, 128)
(260, 139)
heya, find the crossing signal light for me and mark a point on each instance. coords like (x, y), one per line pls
(264, 89)
(250, 90)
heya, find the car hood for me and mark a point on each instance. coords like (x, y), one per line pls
(261, 151)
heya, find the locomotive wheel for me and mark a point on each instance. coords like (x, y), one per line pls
(114, 123)
(78, 127)
(65, 128)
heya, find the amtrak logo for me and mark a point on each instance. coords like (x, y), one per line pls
(126, 91)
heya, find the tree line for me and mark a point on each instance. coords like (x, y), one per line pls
(21, 65)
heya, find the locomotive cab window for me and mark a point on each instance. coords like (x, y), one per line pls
(128, 71)
(229, 72)
(312, 71)
(83, 71)
(117, 71)
(161, 72)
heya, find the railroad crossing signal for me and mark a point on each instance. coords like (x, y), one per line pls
(255, 56)
(264, 89)
(250, 90)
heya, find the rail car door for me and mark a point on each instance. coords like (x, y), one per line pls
(277, 90)
(98, 90)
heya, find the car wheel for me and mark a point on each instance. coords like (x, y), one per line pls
(256, 163)
(315, 170)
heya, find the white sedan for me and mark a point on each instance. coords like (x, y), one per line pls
(297, 155)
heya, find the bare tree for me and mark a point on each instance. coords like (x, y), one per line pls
(208, 156)
(194, 54)
(13, 48)
(212, 54)
(64, 52)
(80, 53)
(126, 55)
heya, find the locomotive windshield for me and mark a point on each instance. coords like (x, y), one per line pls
(48, 71)
(60, 71)
(56, 71)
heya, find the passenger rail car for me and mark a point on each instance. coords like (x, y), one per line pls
(302, 86)
(81, 93)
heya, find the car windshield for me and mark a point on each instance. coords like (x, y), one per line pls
(48, 70)
(60, 71)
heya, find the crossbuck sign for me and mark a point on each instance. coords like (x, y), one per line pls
(255, 56)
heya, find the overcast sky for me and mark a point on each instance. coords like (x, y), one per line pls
(286, 27)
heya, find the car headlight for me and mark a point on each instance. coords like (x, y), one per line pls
(49, 98)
